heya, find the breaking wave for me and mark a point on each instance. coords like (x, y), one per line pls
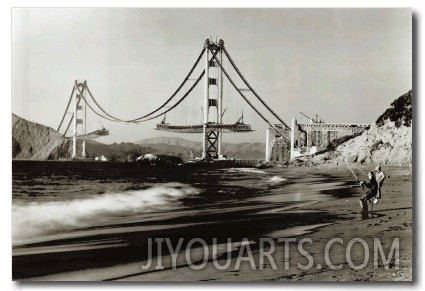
(246, 170)
(276, 180)
(38, 218)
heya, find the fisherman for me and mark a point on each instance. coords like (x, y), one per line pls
(380, 177)
(372, 188)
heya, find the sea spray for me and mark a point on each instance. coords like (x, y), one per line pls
(35, 219)
(246, 170)
(276, 180)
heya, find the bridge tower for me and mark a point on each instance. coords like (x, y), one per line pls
(213, 101)
(212, 125)
(77, 108)
(79, 116)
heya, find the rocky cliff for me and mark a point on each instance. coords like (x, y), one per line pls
(34, 141)
(388, 141)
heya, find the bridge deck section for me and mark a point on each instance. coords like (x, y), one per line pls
(198, 128)
(333, 126)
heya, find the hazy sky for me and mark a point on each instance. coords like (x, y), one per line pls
(346, 65)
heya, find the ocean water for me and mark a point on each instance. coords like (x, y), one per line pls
(97, 215)
(58, 197)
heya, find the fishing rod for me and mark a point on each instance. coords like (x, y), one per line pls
(348, 165)
(360, 171)
(372, 203)
(354, 173)
(357, 179)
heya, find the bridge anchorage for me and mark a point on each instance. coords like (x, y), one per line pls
(308, 138)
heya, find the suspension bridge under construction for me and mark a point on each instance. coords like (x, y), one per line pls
(220, 106)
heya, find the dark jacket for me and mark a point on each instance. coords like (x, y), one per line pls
(372, 187)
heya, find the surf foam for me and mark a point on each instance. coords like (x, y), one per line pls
(247, 170)
(276, 180)
(34, 219)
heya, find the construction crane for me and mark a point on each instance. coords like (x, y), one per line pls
(317, 118)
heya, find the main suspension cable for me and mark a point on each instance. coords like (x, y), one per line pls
(70, 120)
(252, 90)
(178, 102)
(69, 124)
(184, 96)
(160, 107)
(94, 111)
(246, 99)
(78, 103)
(66, 110)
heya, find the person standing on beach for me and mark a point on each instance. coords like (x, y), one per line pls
(372, 187)
(380, 177)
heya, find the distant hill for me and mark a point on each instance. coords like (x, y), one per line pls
(124, 151)
(183, 147)
(246, 150)
(31, 140)
(172, 141)
(387, 141)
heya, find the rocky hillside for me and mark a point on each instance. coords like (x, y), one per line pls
(400, 112)
(31, 140)
(389, 141)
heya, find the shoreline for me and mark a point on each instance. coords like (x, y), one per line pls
(340, 204)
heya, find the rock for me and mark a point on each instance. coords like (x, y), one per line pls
(34, 141)
(389, 141)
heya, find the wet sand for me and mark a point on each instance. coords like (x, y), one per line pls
(392, 218)
(319, 203)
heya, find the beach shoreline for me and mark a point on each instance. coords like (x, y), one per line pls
(330, 212)
(392, 218)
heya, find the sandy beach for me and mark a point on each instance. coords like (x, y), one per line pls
(233, 153)
(392, 218)
(245, 205)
